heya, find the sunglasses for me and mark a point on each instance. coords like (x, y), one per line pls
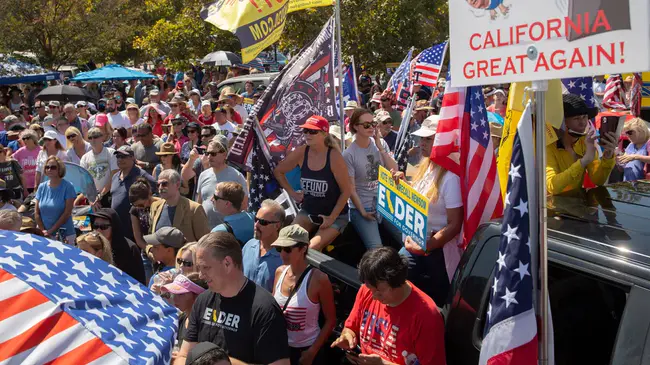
(101, 227)
(192, 131)
(214, 153)
(386, 122)
(26, 138)
(173, 105)
(289, 249)
(629, 133)
(51, 167)
(367, 125)
(264, 222)
(95, 137)
(310, 131)
(177, 123)
(206, 135)
(182, 262)
(140, 135)
(120, 156)
(217, 197)
(72, 136)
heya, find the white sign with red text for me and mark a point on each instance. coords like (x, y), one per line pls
(500, 41)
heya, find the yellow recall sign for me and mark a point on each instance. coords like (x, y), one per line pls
(257, 23)
(403, 207)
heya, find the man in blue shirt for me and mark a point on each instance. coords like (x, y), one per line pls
(227, 200)
(259, 258)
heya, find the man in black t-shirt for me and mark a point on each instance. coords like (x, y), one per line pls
(235, 314)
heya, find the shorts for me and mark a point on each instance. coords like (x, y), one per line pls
(339, 224)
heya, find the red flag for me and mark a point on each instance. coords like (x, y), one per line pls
(614, 93)
(635, 95)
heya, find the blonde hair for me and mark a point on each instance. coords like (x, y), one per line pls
(191, 246)
(639, 125)
(330, 141)
(433, 193)
(70, 131)
(98, 242)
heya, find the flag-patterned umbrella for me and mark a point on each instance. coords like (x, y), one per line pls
(62, 305)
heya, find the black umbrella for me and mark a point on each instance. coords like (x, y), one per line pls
(62, 93)
(221, 58)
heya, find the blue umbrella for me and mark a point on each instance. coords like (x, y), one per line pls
(81, 179)
(494, 118)
(112, 72)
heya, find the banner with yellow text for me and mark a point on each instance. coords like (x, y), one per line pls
(257, 23)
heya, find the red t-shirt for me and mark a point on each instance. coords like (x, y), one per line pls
(412, 330)
(206, 121)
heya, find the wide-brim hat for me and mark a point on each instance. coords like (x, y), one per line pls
(575, 106)
(167, 148)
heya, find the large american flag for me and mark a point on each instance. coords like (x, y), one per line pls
(511, 329)
(61, 305)
(463, 126)
(428, 65)
(262, 184)
(583, 87)
(614, 93)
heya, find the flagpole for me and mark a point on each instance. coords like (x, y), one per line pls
(356, 87)
(337, 20)
(540, 88)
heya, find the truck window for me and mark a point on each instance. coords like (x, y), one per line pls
(586, 312)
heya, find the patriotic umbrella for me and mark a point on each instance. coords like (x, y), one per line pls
(62, 305)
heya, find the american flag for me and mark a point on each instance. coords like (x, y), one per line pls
(399, 83)
(463, 124)
(511, 328)
(583, 87)
(263, 185)
(61, 305)
(429, 63)
(614, 93)
(635, 95)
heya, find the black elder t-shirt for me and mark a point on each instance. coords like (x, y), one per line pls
(249, 326)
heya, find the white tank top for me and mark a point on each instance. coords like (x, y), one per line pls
(301, 314)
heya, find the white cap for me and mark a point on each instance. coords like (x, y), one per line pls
(429, 127)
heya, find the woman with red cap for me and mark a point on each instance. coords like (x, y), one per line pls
(324, 182)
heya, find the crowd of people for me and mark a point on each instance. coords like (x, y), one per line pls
(173, 214)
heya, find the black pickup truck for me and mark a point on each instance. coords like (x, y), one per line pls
(599, 280)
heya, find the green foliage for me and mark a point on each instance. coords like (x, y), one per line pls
(374, 31)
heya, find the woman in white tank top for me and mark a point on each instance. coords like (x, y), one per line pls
(315, 291)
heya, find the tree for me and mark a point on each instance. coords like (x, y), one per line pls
(179, 35)
(68, 31)
(374, 31)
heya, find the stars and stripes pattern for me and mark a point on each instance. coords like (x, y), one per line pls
(614, 93)
(62, 305)
(463, 126)
(428, 65)
(262, 184)
(399, 83)
(583, 87)
(511, 329)
(349, 85)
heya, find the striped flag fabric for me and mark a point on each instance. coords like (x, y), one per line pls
(614, 93)
(428, 65)
(399, 83)
(61, 305)
(511, 327)
(463, 127)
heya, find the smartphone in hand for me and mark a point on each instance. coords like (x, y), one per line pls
(315, 219)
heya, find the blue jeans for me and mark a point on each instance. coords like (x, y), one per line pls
(429, 274)
(368, 230)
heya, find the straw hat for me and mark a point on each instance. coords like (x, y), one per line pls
(166, 148)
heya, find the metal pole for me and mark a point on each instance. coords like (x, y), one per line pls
(540, 88)
(337, 20)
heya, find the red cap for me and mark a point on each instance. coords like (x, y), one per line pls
(180, 84)
(318, 123)
(101, 120)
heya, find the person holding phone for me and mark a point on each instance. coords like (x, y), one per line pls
(575, 152)
(633, 162)
(324, 181)
(392, 321)
(363, 158)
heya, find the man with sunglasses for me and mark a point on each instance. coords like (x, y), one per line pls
(198, 160)
(227, 200)
(121, 183)
(165, 244)
(70, 114)
(260, 259)
(101, 162)
(385, 125)
(387, 105)
(219, 171)
(146, 147)
(41, 113)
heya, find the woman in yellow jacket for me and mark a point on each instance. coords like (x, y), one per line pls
(575, 150)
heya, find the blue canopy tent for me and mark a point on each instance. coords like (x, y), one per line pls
(112, 72)
(13, 71)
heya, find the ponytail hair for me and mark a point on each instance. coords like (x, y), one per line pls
(331, 142)
(139, 190)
